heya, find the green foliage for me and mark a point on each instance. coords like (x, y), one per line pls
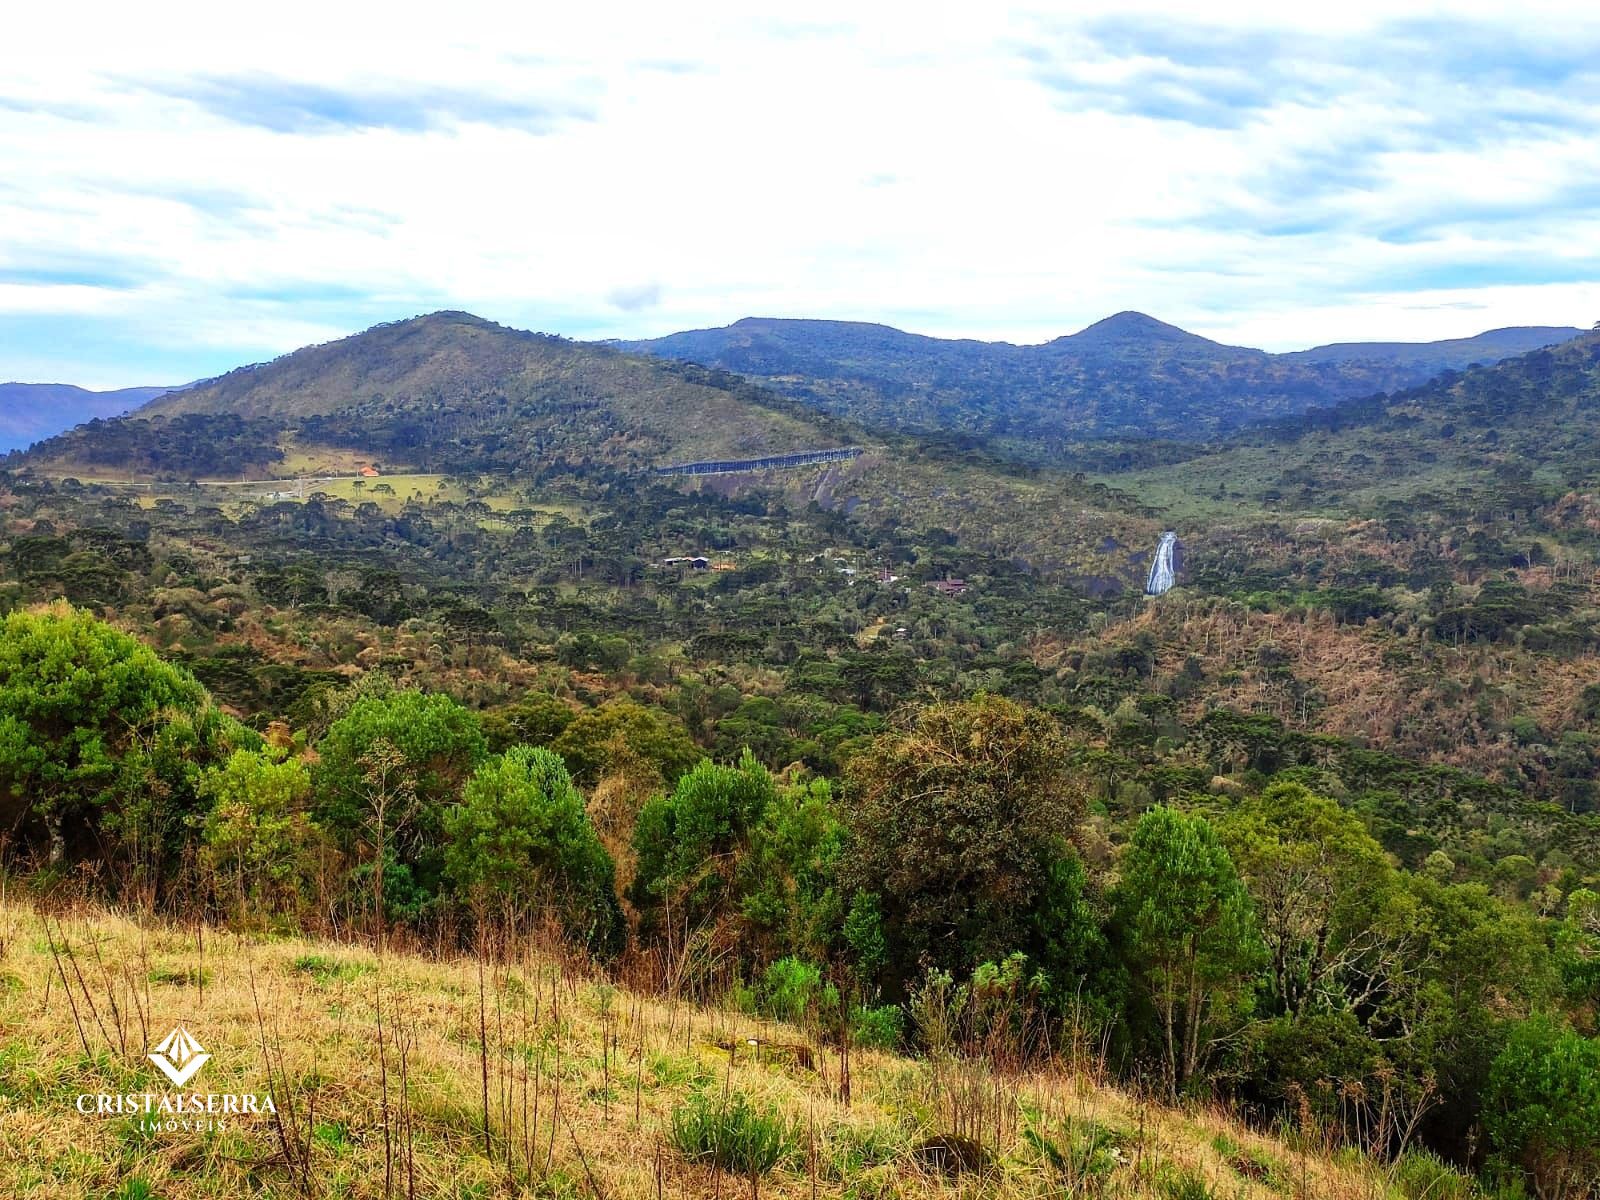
(1422, 1175)
(1543, 1106)
(1082, 1154)
(792, 990)
(521, 835)
(787, 881)
(879, 1028)
(536, 720)
(598, 736)
(731, 1133)
(134, 1187)
(955, 825)
(387, 770)
(326, 970)
(257, 835)
(689, 842)
(1183, 1183)
(1191, 933)
(1331, 911)
(102, 744)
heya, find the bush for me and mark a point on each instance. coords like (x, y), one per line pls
(521, 835)
(731, 1133)
(877, 1028)
(1543, 1105)
(1422, 1175)
(687, 841)
(791, 990)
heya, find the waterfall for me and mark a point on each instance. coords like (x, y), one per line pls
(1161, 576)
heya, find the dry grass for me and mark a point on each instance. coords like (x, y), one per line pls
(456, 1077)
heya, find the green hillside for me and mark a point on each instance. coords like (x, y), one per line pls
(450, 393)
(889, 747)
(1517, 433)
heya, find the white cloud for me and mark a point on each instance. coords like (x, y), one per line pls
(237, 178)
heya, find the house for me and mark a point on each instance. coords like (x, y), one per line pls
(949, 587)
(696, 563)
(369, 472)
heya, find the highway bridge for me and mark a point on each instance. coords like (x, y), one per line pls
(773, 462)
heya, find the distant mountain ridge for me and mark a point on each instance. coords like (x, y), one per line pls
(1128, 377)
(32, 412)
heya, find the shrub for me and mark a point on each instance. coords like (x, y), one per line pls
(257, 835)
(1182, 1183)
(521, 834)
(791, 990)
(731, 1133)
(1422, 1175)
(1543, 1104)
(687, 841)
(877, 1028)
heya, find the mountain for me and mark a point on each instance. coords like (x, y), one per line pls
(31, 412)
(1452, 354)
(451, 393)
(1128, 377)
(1508, 437)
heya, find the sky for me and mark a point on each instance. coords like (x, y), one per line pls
(185, 188)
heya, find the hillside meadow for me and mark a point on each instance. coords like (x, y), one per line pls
(380, 1065)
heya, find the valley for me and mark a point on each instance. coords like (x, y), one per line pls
(716, 674)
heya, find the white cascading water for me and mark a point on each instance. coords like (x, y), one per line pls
(1161, 577)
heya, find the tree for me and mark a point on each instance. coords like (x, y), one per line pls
(99, 735)
(521, 834)
(536, 720)
(1190, 934)
(1577, 945)
(387, 770)
(786, 883)
(597, 736)
(1479, 962)
(954, 822)
(1336, 924)
(690, 842)
(257, 831)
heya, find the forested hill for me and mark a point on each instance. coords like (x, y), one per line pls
(1518, 434)
(451, 389)
(450, 393)
(1126, 377)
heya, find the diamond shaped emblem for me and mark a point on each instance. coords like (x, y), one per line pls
(179, 1056)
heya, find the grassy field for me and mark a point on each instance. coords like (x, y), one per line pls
(444, 1076)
